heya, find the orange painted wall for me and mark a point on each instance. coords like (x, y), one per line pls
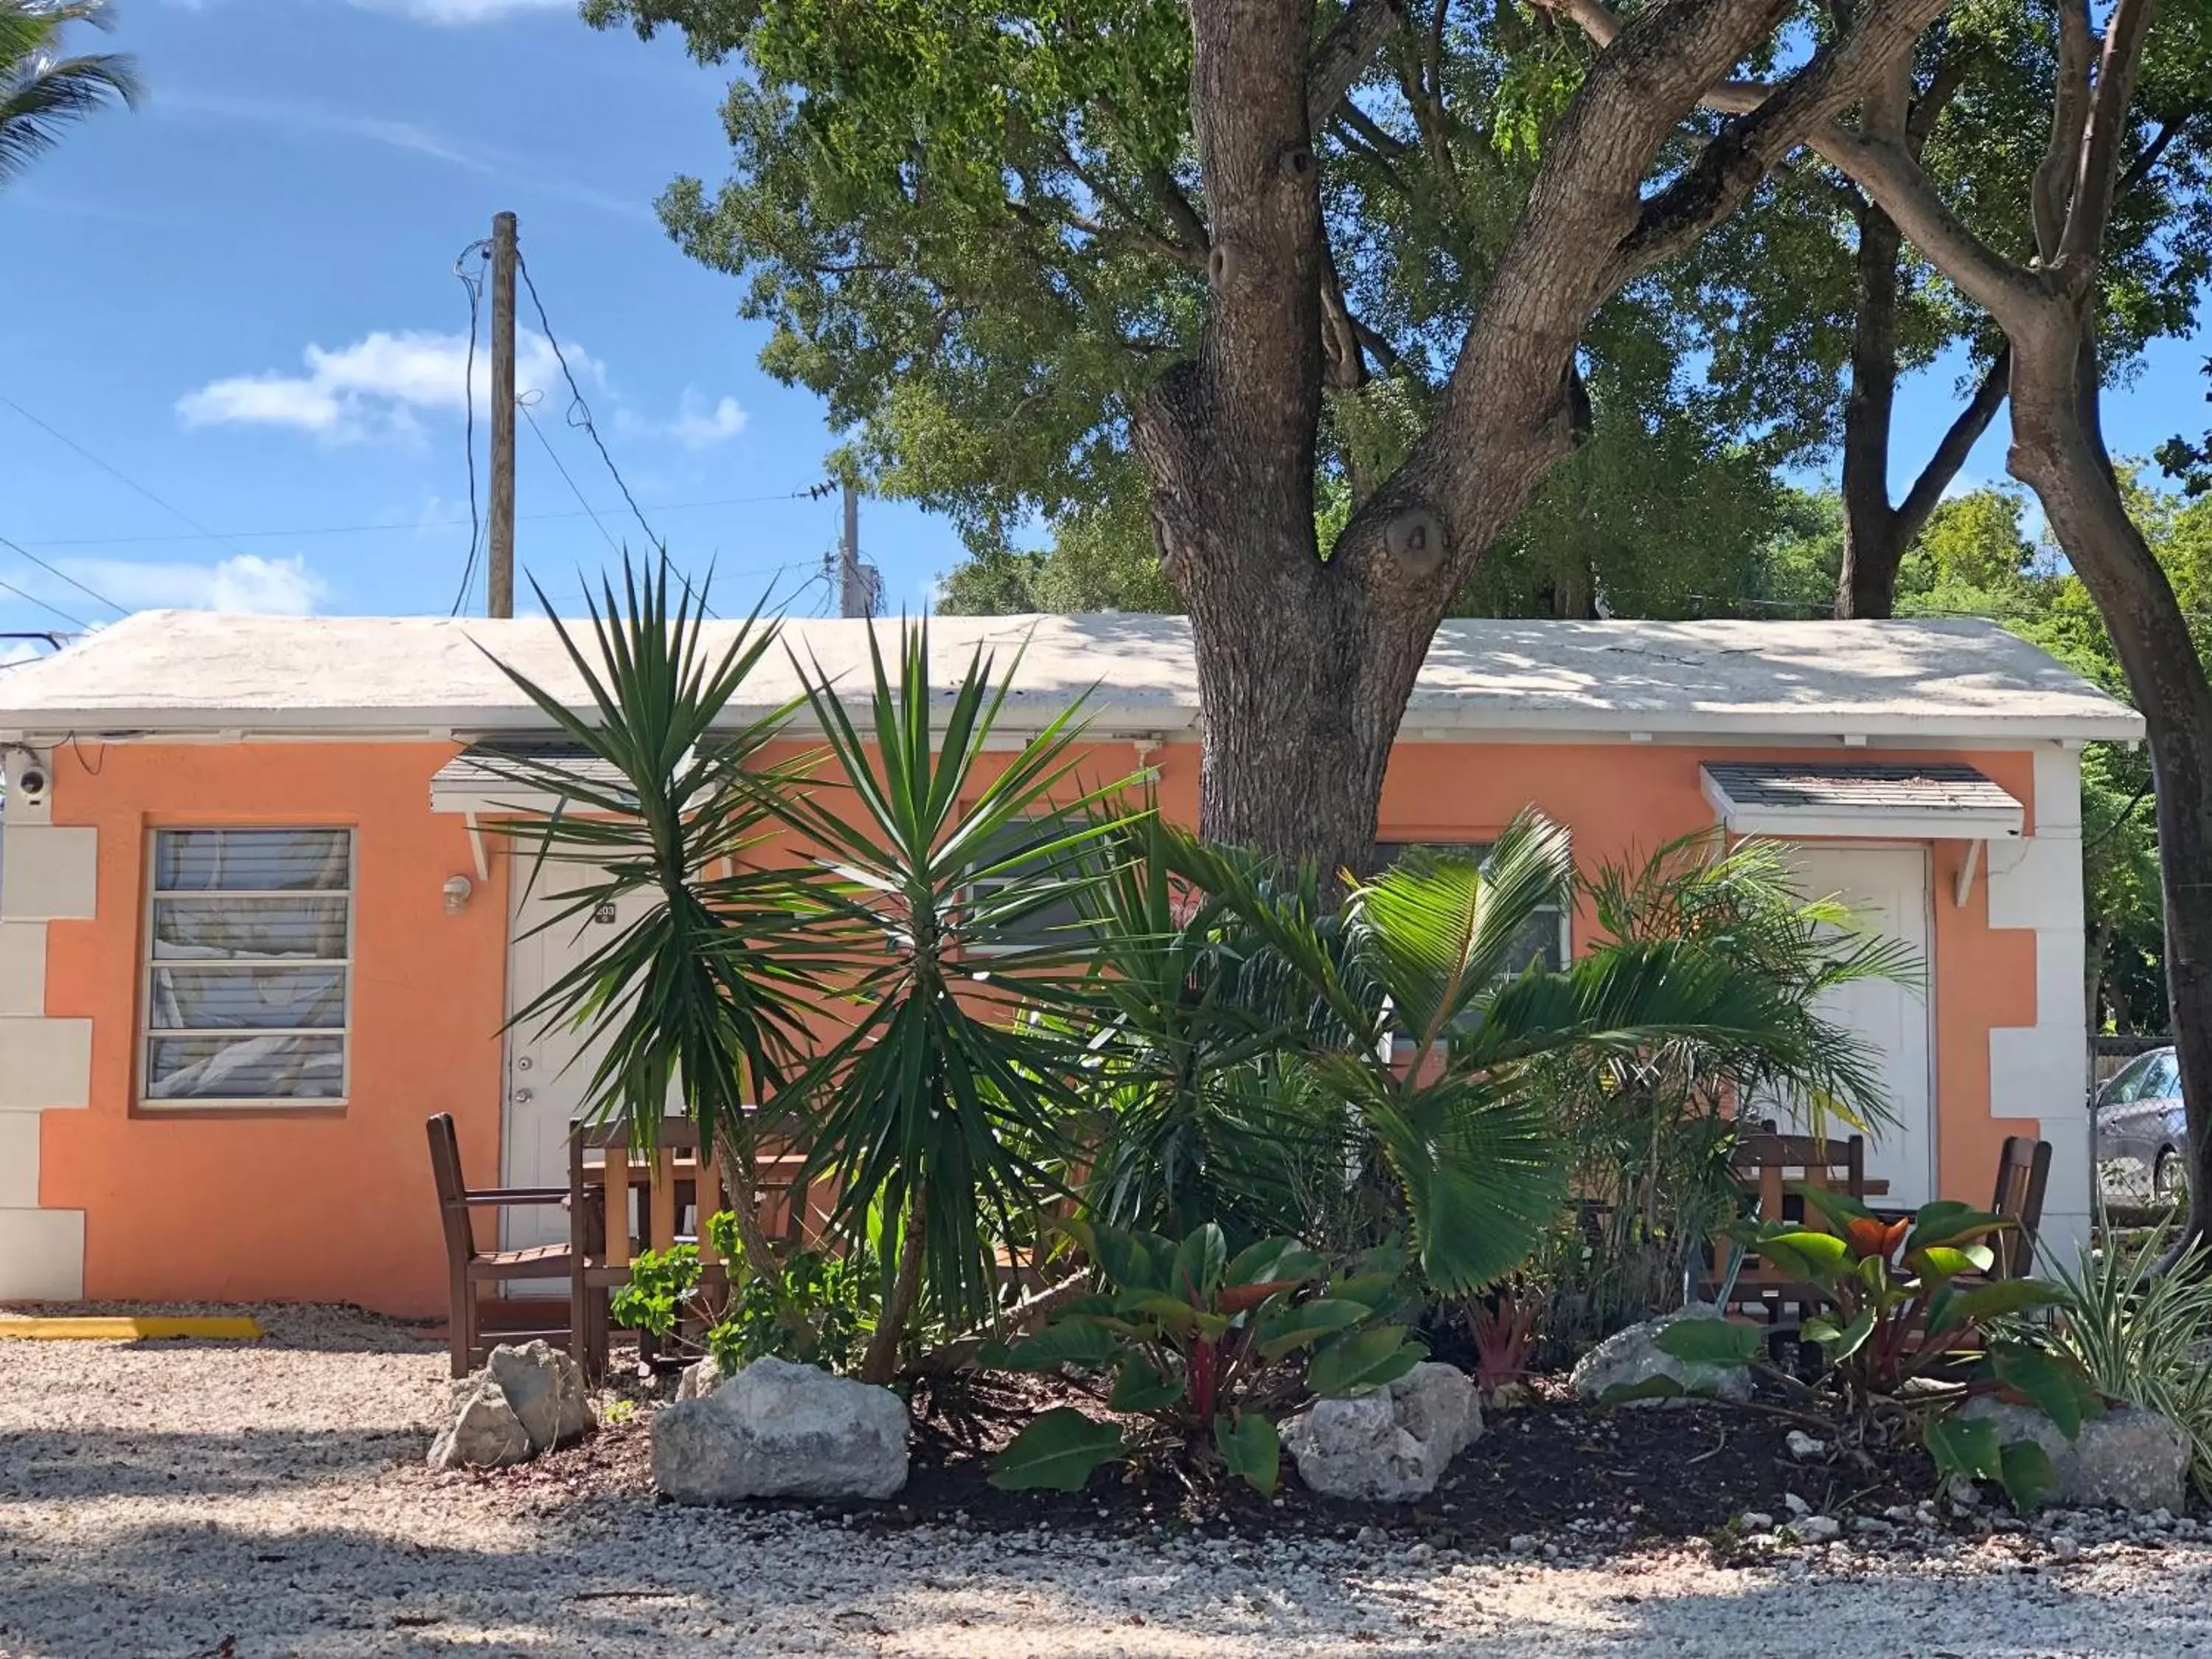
(318, 1204)
(337, 1206)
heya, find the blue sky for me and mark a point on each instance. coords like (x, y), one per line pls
(243, 302)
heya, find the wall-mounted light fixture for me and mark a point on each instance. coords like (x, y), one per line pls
(458, 890)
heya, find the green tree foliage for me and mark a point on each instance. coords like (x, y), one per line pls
(43, 88)
(1977, 557)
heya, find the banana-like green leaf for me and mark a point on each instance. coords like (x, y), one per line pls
(1143, 1386)
(2025, 1470)
(1306, 1322)
(1273, 1261)
(2055, 1384)
(1058, 1452)
(1362, 1362)
(1067, 1342)
(1837, 1209)
(1841, 1342)
(1710, 1341)
(1949, 1222)
(1196, 1275)
(1965, 1446)
(1170, 1311)
(1251, 1448)
(1949, 1260)
(1803, 1254)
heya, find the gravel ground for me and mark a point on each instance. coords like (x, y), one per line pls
(174, 1500)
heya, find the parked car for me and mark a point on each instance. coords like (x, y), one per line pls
(2140, 1138)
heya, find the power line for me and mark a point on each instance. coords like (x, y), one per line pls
(474, 287)
(580, 412)
(117, 473)
(538, 432)
(419, 523)
(42, 605)
(119, 610)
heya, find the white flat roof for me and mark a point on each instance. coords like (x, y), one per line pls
(1910, 680)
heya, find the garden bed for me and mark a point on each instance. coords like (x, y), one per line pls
(1553, 1471)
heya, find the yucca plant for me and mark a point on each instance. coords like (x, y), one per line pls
(1439, 1045)
(704, 996)
(943, 1106)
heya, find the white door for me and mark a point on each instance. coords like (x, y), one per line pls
(1888, 887)
(549, 1073)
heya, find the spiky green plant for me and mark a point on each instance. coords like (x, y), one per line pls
(706, 993)
(2145, 1336)
(943, 1104)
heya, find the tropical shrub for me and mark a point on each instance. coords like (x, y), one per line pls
(1205, 1349)
(1647, 1133)
(1436, 1056)
(810, 1306)
(2143, 1336)
(1903, 1335)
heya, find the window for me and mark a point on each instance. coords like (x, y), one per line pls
(1543, 938)
(1053, 926)
(248, 964)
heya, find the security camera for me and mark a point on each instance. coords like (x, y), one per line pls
(31, 784)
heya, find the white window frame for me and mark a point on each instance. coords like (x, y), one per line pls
(147, 1033)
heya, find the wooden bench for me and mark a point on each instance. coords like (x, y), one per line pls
(625, 1200)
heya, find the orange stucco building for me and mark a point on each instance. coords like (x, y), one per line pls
(253, 929)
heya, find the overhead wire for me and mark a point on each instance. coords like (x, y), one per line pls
(580, 410)
(43, 604)
(473, 286)
(420, 524)
(91, 593)
(523, 403)
(118, 474)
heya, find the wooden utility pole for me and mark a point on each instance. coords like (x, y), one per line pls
(499, 579)
(854, 597)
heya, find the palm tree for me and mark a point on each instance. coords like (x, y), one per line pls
(1442, 1051)
(42, 91)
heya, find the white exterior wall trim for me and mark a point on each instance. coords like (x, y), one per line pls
(47, 873)
(2042, 1070)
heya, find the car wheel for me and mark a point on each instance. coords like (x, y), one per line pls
(2169, 1181)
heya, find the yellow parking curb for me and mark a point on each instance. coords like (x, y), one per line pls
(127, 1329)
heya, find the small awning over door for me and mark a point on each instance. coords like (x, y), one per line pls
(1937, 801)
(484, 778)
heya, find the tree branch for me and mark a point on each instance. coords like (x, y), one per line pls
(1945, 84)
(1344, 54)
(2140, 170)
(1958, 442)
(1800, 110)
(2069, 109)
(2108, 127)
(1888, 173)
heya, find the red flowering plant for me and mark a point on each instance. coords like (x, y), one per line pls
(1906, 1329)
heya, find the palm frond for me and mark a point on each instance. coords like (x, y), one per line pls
(43, 91)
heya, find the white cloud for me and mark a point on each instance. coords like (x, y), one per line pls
(245, 581)
(376, 387)
(697, 427)
(1966, 484)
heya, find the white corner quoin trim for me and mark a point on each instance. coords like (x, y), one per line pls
(48, 872)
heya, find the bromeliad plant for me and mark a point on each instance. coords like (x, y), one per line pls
(1908, 1330)
(1208, 1349)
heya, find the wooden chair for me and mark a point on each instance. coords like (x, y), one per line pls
(471, 1340)
(2023, 1171)
(1767, 1165)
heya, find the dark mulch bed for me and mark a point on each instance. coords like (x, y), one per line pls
(1591, 1481)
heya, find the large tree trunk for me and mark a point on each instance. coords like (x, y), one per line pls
(1866, 586)
(2058, 451)
(1305, 662)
